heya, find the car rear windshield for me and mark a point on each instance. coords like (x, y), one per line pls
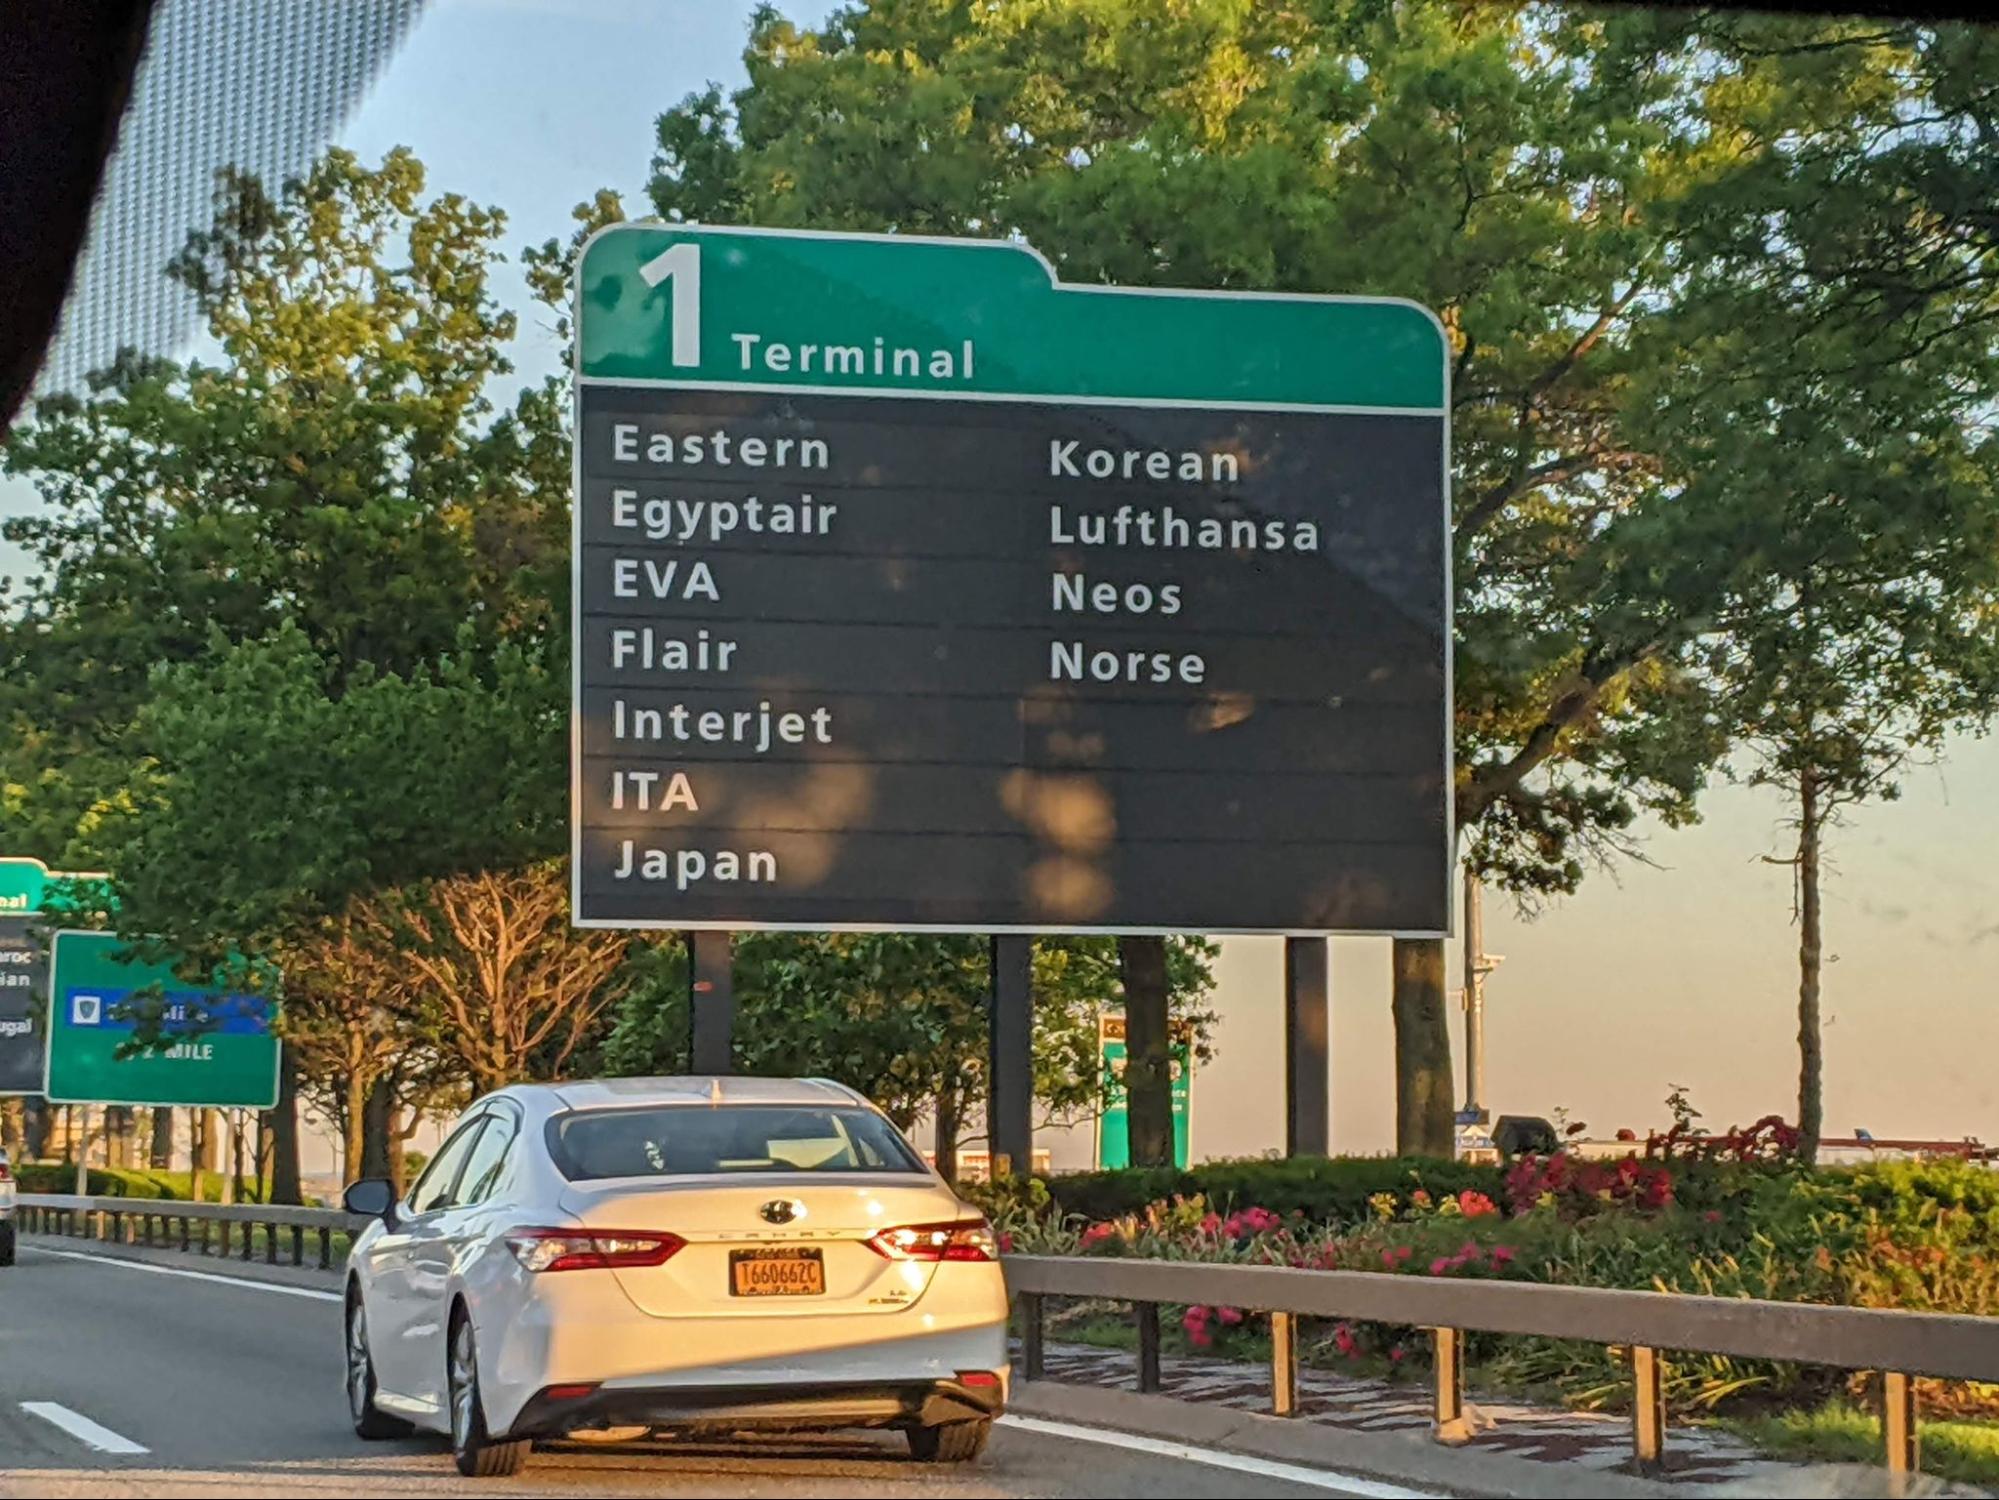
(678, 1140)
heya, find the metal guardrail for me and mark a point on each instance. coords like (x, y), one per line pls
(151, 1221)
(1897, 1345)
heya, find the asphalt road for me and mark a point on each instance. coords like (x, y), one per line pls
(234, 1387)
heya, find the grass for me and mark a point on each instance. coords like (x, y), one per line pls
(1841, 1433)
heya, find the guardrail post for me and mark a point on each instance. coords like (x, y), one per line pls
(1898, 1429)
(298, 1245)
(1648, 1408)
(183, 1233)
(1283, 1364)
(270, 1244)
(1033, 1361)
(223, 1225)
(1448, 1353)
(1148, 1345)
(249, 1239)
(325, 1249)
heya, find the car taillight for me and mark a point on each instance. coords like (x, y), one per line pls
(5, 1175)
(590, 1250)
(967, 1240)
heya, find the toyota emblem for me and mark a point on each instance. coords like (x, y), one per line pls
(779, 1211)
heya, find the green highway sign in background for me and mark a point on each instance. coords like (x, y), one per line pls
(1114, 1124)
(218, 1051)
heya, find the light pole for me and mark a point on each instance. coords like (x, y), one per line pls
(1478, 964)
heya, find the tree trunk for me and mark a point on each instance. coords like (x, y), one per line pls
(352, 1149)
(11, 1132)
(36, 1119)
(1811, 1043)
(121, 1127)
(197, 1127)
(1148, 1067)
(211, 1140)
(377, 1147)
(284, 1133)
(1424, 1118)
(232, 1177)
(948, 1120)
(161, 1155)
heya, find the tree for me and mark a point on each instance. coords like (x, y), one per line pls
(899, 1016)
(1586, 197)
(1871, 638)
(343, 474)
(506, 986)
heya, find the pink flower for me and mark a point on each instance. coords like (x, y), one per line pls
(1388, 1258)
(1343, 1338)
(1006, 1242)
(1469, 1252)
(1713, 1216)
(1395, 1355)
(1439, 1266)
(1210, 1223)
(1199, 1337)
(1230, 1315)
(1195, 1321)
(1403, 1253)
(1502, 1255)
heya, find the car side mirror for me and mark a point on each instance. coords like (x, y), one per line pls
(373, 1198)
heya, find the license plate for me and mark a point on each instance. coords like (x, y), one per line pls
(776, 1273)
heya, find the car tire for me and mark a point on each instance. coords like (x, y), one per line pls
(950, 1442)
(370, 1421)
(7, 1243)
(478, 1454)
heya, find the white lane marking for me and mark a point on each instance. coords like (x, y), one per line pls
(1242, 1463)
(80, 1427)
(139, 1265)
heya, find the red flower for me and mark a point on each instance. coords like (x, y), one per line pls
(1395, 1355)
(1402, 1254)
(1502, 1255)
(1712, 1216)
(1420, 1198)
(1439, 1266)
(1344, 1340)
(1472, 1204)
(1388, 1258)
(1006, 1242)
(1230, 1315)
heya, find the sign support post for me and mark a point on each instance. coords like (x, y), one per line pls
(1010, 1038)
(711, 1009)
(1307, 1048)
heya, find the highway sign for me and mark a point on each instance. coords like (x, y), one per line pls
(220, 1050)
(915, 589)
(28, 890)
(1114, 1123)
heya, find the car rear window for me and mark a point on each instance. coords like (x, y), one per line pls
(680, 1140)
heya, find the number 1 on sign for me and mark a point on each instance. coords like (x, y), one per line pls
(682, 266)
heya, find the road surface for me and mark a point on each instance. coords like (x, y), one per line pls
(124, 1379)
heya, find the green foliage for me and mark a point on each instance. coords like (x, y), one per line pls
(1841, 1432)
(124, 1182)
(1328, 1191)
(899, 1016)
(1648, 234)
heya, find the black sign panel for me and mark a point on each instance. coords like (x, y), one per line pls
(24, 985)
(901, 663)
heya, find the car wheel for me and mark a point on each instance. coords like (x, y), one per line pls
(370, 1421)
(951, 1442)
(478, 1455)
(7, 1244)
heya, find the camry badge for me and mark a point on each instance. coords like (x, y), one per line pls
(779, 1211)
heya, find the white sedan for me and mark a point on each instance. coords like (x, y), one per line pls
(713, 1254)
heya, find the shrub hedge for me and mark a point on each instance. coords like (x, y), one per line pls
(1326, 1190)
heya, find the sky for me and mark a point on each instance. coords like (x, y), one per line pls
(1681, 971)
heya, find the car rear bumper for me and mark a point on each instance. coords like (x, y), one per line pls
(761, 1408)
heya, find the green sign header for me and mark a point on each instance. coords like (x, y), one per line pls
(967, 319)
(219, 1050)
